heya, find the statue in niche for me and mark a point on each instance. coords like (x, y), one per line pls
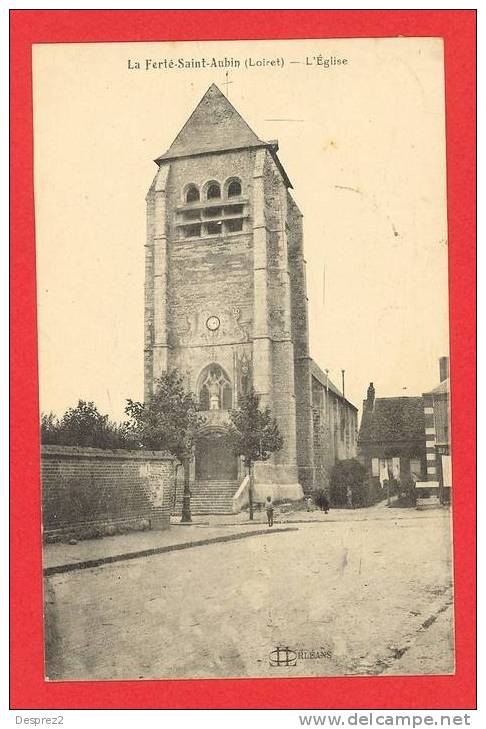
(215, 389)
(245, 375)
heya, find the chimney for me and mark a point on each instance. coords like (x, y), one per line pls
(368, 406)
(370, 396)
(443, 368)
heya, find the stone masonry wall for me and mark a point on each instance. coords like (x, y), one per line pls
(209, 275)
(278, 330)
(149, 292)
(204, 276)
(300, 337)
(242, 278)
(335, 432)
(92, 492)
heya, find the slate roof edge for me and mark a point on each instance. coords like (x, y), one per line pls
(321, 377)
(168, 156)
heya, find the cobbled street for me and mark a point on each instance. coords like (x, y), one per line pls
(360, 596)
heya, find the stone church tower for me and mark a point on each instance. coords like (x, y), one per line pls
(225, 295)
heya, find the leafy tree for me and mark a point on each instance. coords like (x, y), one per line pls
(408, 491)
(253, 434)
(84, 425)
(49, 429)
(169, 421)
(348, 483)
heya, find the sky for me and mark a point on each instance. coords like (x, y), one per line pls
(362, 142)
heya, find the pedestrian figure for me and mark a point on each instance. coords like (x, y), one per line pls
(349, 496)
(325, 504)
(308, 503)
(269, 510)
(322, 501)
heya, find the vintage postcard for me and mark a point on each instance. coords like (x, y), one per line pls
(242, 290)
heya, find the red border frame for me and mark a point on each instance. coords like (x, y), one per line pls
(28, 688)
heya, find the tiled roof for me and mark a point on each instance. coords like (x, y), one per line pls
(213, 125)
(392, 419)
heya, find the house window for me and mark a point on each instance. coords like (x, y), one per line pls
(213, 212)
(234, 188)
(192, 231)
(233, 209)
(214, 191)
(214, 227)
(215, 391)
(233, 226)
(191, 215)
(389, 468)
(192, 194)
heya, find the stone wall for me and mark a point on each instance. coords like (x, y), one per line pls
(89, 492)
(199, 277)
(300, 338)
(241, 278)
(193, 295)
(252, 282)
(282, 467)
(335, 428)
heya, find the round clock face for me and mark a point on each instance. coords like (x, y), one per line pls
(212, 323)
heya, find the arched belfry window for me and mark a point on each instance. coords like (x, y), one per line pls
(192, 194)
(234, 188)
(215, 391)
(213, 191)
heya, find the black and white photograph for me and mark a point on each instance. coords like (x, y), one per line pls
(242, 308)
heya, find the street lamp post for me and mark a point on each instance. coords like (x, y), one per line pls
(251, 483)
(186, 516)
(250, 491)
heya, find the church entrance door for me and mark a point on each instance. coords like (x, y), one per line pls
(214, 459)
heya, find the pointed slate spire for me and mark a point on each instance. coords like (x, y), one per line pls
(214, 125)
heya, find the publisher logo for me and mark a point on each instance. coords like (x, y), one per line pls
(283, 656)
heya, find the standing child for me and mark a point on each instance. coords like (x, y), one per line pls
(269, 510)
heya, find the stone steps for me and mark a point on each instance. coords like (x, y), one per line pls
(208, 497)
